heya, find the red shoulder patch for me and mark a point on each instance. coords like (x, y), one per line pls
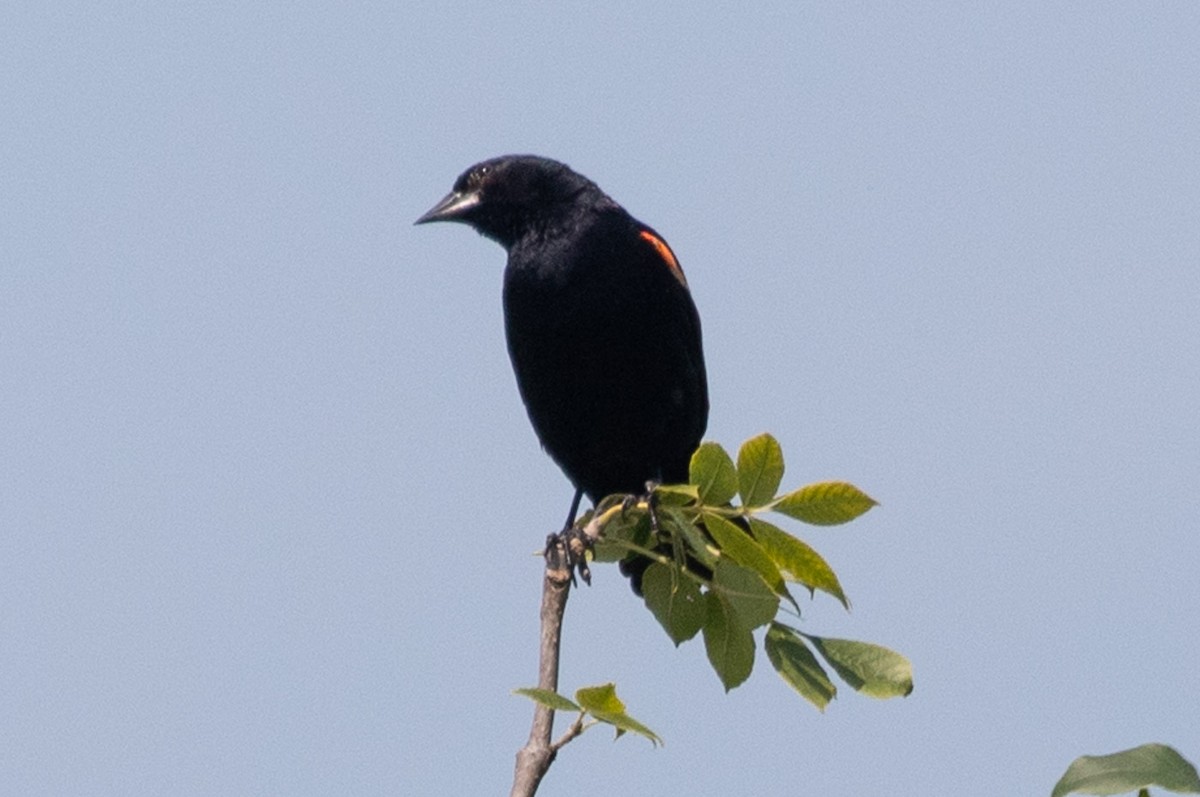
(666, 254)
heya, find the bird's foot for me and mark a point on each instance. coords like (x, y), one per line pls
(567, 550)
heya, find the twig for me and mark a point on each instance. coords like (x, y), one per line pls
(535, 758)
(577, 727)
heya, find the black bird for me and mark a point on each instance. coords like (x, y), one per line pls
(602, 331)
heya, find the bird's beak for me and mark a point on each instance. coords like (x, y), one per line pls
(453, 207)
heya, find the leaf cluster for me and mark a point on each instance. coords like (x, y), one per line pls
(722, 570)
(598, 702)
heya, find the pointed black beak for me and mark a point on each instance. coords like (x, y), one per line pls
(455, 206)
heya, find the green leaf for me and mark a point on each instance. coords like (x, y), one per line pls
(685, 538)
(672, 521)
(600, 698)
(759, 470)
(1148, 765)
(674, 600)
(871, 669)
(742, 549)
(797, 665)
(603, 704)
(727, 641)
(699, 546)
(825, 503)
(677, 494)
(745, 592)
(622, 529)
(737, 602)
(623, 722)
(797, 559)
(551, 700)
(712, 471)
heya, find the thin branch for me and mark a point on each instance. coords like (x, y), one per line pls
(535, 758)
(577, 727)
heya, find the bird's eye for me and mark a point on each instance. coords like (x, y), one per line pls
(477, 175)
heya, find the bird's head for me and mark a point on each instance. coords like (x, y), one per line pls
(504, 198)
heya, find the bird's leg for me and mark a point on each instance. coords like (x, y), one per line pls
(652, 506)
(568, 548)
(574, 509)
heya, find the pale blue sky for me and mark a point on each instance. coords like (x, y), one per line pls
(268, 496)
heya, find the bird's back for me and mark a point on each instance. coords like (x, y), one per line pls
(606, 345)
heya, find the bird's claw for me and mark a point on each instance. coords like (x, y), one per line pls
(567, 550)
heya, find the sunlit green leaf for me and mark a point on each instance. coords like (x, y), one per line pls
(674, 600)
(1148, 765)
(600, 698)
(739, 546)
(676, 494)
(759, 470)
(871, 669)
(797, 665)
(712, 471)
(797, 559)
(825, 503)
(623, 722)
(549, 699)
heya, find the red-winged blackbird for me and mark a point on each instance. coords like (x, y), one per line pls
(602, 331)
